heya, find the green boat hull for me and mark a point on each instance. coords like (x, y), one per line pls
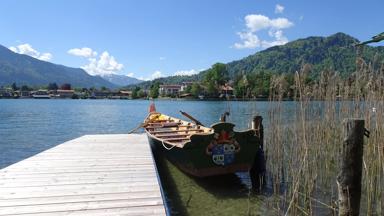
(222, 152)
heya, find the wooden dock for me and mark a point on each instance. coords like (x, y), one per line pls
(90, 175)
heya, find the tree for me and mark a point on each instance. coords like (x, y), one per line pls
(141, 93)
(215, 77)
(262, 83)
(154, 91)
(196, 89)
(220, 74)
(14, 87)
(25, 88)
(52, 86)
(65, 86)
(188, 89)
(241, 86)
(135, 92)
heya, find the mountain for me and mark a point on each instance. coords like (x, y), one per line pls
(335, 52)
(121, 80)
(24, 69)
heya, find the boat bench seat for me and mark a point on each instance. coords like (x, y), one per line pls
(174, 131)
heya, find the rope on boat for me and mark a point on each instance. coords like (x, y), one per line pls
(168, 148)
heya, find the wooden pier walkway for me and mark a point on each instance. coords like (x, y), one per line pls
(90, 175)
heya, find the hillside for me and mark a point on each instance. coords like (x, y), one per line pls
(336, 52)
(121, 80)
(24, 69)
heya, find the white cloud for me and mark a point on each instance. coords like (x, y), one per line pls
(186, 72)
(249, 40)
(156, 74)
(162, 58)
(45, 56)
(83, 52)
(256, 23)
(279, 8)
(142, 78)
(106, 64)
(28, 50)
(129, 75)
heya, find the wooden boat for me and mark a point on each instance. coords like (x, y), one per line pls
(201, 151)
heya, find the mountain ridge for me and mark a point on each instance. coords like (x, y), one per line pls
(26, 70)
(335, 52)
(121, 80)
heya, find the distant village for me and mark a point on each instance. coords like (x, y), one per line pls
(65, 91)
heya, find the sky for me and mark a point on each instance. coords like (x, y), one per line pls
(149, 39)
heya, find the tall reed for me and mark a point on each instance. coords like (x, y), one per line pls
(303, 144)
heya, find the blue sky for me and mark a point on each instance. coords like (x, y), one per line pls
(147, 39)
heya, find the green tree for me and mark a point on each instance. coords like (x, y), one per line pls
(52, 86)
(141, 93)
(215, 77)
(135, 92)
(241, 86)
(261, 84)
(154, 91)
(196, 89)
(25, 88)
(188, 89)
(14, 87)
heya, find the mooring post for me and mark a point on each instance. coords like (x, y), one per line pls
(349, 178)
(257, 172)
(257, 124)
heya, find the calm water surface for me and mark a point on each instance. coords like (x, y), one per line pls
(29, 126)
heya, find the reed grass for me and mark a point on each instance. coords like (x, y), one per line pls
(303, 152)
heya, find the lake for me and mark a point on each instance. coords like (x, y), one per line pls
(29, 126)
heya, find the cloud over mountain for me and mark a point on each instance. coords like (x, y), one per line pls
(257, 22)
(103, 64)
(28, 50)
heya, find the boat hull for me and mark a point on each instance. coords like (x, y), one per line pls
(222, 152)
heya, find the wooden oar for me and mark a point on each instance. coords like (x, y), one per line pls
(190, 117)
(144, 124)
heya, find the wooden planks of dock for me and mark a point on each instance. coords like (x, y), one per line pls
(90, 175)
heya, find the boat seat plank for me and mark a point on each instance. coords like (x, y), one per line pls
(167, 126)
(173, 135)
(173, 131)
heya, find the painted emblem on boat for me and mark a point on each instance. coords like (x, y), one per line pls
(223, 148)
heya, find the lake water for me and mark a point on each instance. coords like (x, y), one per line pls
(29, 126)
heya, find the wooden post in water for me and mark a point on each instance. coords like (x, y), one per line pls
(257, 172)
(257, 124)
(349, 178)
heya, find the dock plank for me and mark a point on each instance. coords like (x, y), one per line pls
(90, 175)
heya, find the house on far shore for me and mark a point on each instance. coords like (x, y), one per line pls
(226, 90)
(23, 94)
(65, 93)
(125, 94)
(185, 85)
(169, 89)
(6, 92)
